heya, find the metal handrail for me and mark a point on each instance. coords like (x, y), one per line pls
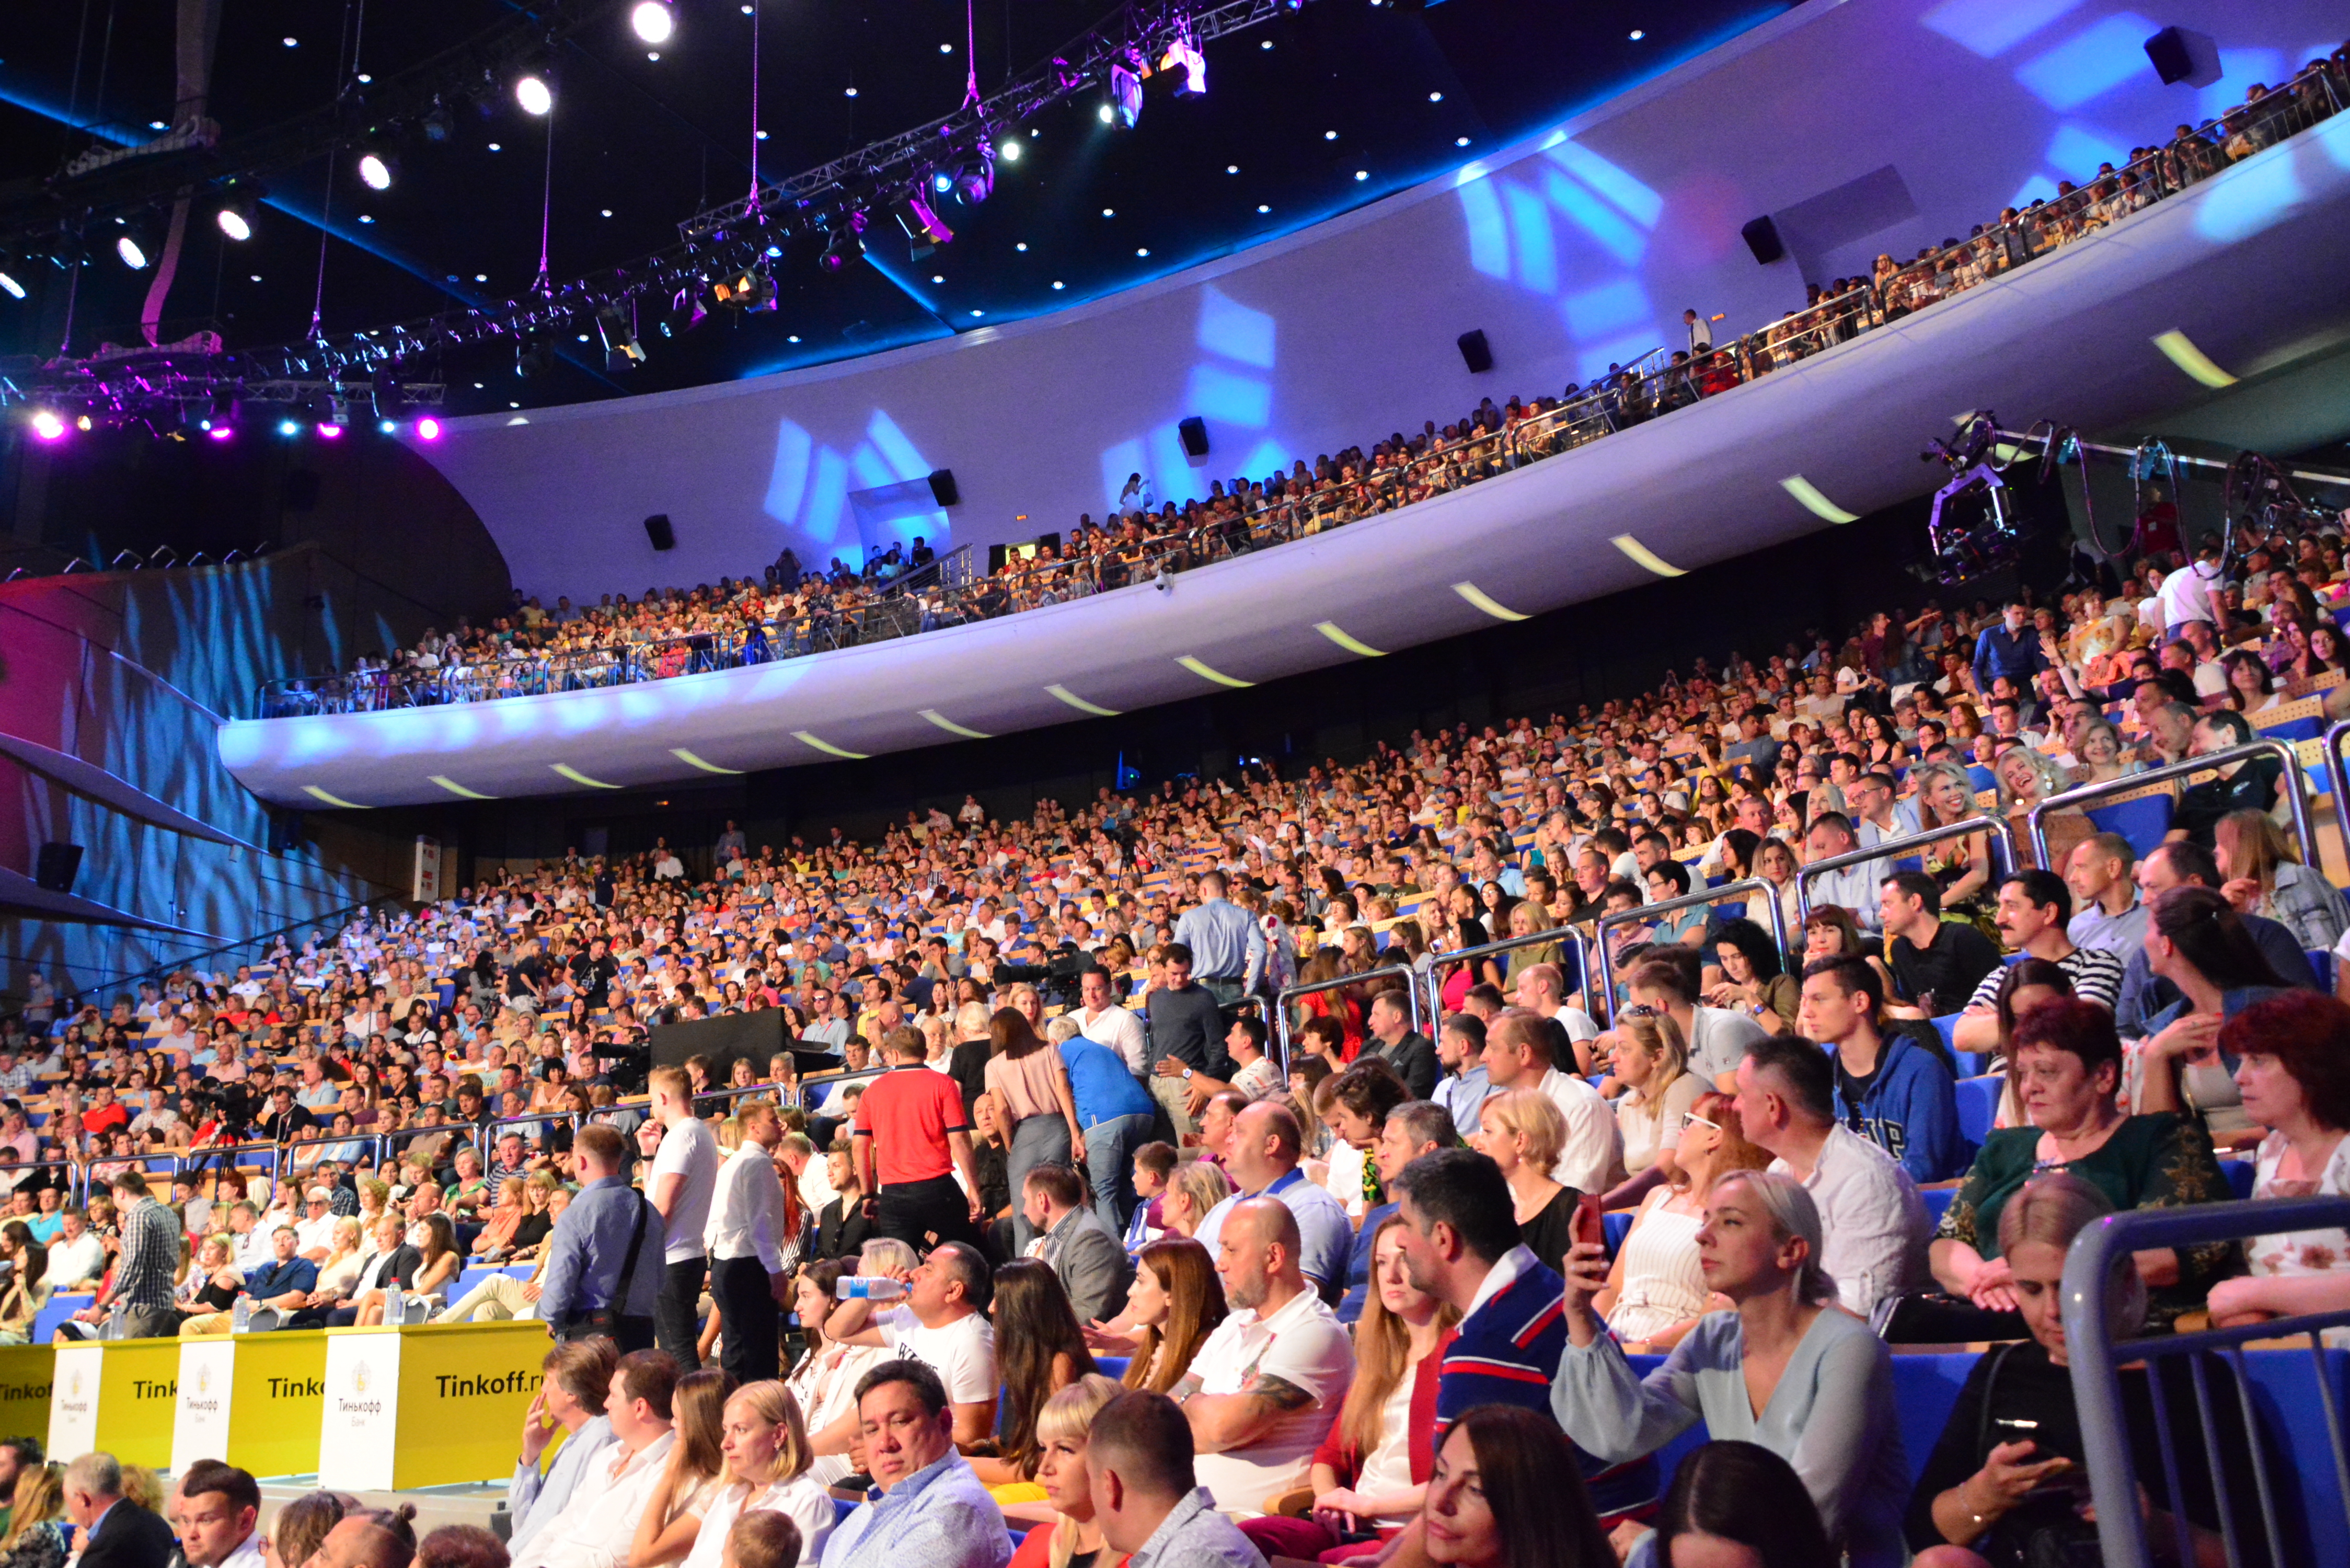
(2095, 1360)
(1723, 894)
(829, 1081)
(2338, 776)
(2003, 830)
(2297, 796)
(1291, 994)
(1570, 932)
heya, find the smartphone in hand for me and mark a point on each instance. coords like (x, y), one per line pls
(1588, 1226)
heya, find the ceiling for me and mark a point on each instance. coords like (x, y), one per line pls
(1324, 108)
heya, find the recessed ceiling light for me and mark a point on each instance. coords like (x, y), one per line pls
(1232, 168)
(1262, 208)
(1022, 246)
(759, 135)
(937, 278)
(1637, 34)
(453, 277)
(367, 218)
(477, 386)
(851, 93)
(1142, 252)
(1362, 173)
(481, 277)
(1058, 283)
(1459, 141)
(1329, 136)
(365, 79)
(256, 277)
(607, 211)
(293, 43)
(495, 148)
(978, 313)
(746, 10)
(1267, 44)
(794, 337)
(157, 125)
(653, 54)
(583, 338)
(1436, 97)
(513, 406)
(946, 48)
(1110, 212)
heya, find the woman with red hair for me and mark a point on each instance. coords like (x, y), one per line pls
(2292, 1066)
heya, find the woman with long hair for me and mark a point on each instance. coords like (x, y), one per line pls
(1195, 1190)
(1506, 1492)
(1651, 1060)
(2196, 941)
(666, 1530)
(37, 1527)
(1784, 1369)
(1656, 1289)
(1754, 979)
(1739, 1502)
(2264, 878)
(1176, 1302)
(1040, 1349)
(1031, 1086)
(823, 1382)
(1071, 1539)
(28, 1291)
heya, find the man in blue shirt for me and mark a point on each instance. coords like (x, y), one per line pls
(285, 1282)
(1261, 1160)
(2011, 649)
(590, 1246)
(1891, 1090)
(1115, 1113)
(1228, 948)
(925, 1506)
(1464, 1085)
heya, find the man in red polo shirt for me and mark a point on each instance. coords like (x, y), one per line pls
(915, 1117)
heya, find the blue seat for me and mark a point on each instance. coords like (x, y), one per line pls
(2321, 959)
(1113, 1366)
(1948, 1025)
(1938, 1200)
(2142, 821)
(1978, 1106)
(2294, 729)
(1614, 1228)
(2239, 1174)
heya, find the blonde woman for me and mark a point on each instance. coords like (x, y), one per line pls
(2263, 879)
(1521, 1131)
(36, 1525)
(1652, 1064)
(767, 1468)
(340, 1272)
(1068, 1534)
(1196, 1188)
(1654, 1291)
(496, 1239)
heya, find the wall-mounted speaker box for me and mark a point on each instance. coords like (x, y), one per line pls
(942, 487)
(2183, 54)
(1194, 431)
(1761, 237)
(56, 866)
(658, 530)
(1475, 352)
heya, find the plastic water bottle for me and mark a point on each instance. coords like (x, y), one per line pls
(395, 1306)
(114, 1321)
(240, 1315)
(870, 1287)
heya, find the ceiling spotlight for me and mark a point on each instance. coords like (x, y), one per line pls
(924, 231)
(9, 285)
(974, 182)
(330, 430)
(847, 244)
(1329, 136)
(236, 215)
(1144, 252)
(221, 432)
(288, 427)
(1459, 141)
(428, 429)
(851, 93)
(132, 256)
(533, 93)
(375, 169)
(1010, 151)
(1107, 114)
(1184, 55)
(385, 426)
(1262, 208)
(943, 182)
(1637, 34)
(1125, 96)
(1362, 173)
(1022, 246)
(621, 350)
(48, 425)
(1436, 97)
(654, 21)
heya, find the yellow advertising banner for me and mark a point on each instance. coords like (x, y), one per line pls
(427, 1407)
(26, 1371)
(255, 1400)
(118, 1396)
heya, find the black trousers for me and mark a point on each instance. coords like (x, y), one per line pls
(752, 1344)
(676, 1326)
(923, 1213)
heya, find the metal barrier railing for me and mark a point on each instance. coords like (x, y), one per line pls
(2294, 784)
(2097, 1359)
(2337, 774)
(828, 1082)
(1570, 933)
(1291, 994)
(1726, 893)
(2001, 831)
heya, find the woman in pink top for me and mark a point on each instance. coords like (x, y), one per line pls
(1031, 1087)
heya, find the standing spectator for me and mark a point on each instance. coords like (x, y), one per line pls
(1147, 1495)
(115, 1532)
(926, 1509)
(1874, 1220)
(1114, 1116)
(912, 1133)
(1186, 1023)
(684, 1176)
(755, 1247)
(1031, 1087)
(604, 1270)
(1101, 1019)
(1227, 946)
(145, 1267)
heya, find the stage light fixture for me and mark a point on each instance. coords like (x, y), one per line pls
(924, 231)
(654, 21)
(330, 432)
(1011, 149)
(1125, 96)
(621, 350)
(385, 426)
(48, 425)
(377, 167)
(8, 284)
(1108, 115)
(943, 182)
(535, 92)
(132, 255)
(235, 220)
(428, 429)
(222, 432)
(847, 245)
(534, 355)
(1185, 55)
(288, 427)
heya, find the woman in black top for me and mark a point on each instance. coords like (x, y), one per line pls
(2006, 1478)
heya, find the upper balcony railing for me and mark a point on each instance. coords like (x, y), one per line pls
(948, 594)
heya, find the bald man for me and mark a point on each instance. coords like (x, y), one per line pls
(1265, 1387)
(1261, 1156)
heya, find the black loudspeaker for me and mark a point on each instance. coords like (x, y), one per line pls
(301, 490)
(942, 487)
(285, 832)
(1475, 352)
(56, 866)
(658, 529)
(1194, 431)
(1761, 237)
(2180, 54)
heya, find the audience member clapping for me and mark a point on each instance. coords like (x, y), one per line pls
(1656, 1287)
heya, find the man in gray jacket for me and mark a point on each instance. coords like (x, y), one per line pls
(1072, 1238)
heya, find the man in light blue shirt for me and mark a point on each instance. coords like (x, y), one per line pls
(1146, 1497)
(926, 1508)
(1261, 1160)
(578, 1379)
(1461, 1052)
(1228, 948)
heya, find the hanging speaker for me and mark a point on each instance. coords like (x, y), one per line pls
(1476, 353)
(2183, 54)
(56, 866)
(1761, 237)
(942, 487)
(1194, 431)
(658, 530)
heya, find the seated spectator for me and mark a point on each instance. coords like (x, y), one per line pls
(1370, 1474)
(2246, 783)
(1937, 964)
(1073, 1537)
(599, 1520)
(1265, 1146)
(1355, 1102)
(218, 1509)
(2292, 1067)
(1176, 1303)
(284, 1284)
(298, 1530)
(2198, 942)
(1518, 1056)
(2144, 993)
(1502, 1493)
(1739, 1502)
(1194, 1191)
(1651, 1062)
(1890, 1087)
(1411, 1130)
(1075, 1242)
(765, 1468)
(1462, 1086)
(1656, 1289)
(462, 1546)
(1754, 982)
(1041, 1350)
(823, 1382)
(1521, 1133)
(1784, 1370)
(2033, 911)
(2020, 1501)
(1875, 1219)
(27, 1290)
(37, 1530)
(763, 1539)
(1393, 1040)
(670, 1524)
(577, 1382)
(2263, 879)
(1264, 1390)
(1462, 1246)
(1146, 1497)
(925, 1506)
(2067, 1067)
(943, 1324)
(2107, 910)
(77, 1256)
(1715, 1038)
(1153, 1164)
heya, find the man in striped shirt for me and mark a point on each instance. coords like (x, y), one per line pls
(2034, 907)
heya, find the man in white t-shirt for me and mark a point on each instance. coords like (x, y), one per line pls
(2188, 593)
(1266, 1386)
(942, 1324)
(684, 1176)
(1102, 1021)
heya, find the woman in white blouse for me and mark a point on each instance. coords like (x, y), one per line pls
(823, 1383)
(767, 1469)
(2293, 1056)
(1656, 1291)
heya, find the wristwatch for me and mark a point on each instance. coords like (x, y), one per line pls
(1187, 1074)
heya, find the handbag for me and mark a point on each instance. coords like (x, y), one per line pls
(2044, 1530)
(606, 1320)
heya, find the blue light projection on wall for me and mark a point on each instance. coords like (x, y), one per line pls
(810, 490)
(1231, 388)
(1570, 224)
